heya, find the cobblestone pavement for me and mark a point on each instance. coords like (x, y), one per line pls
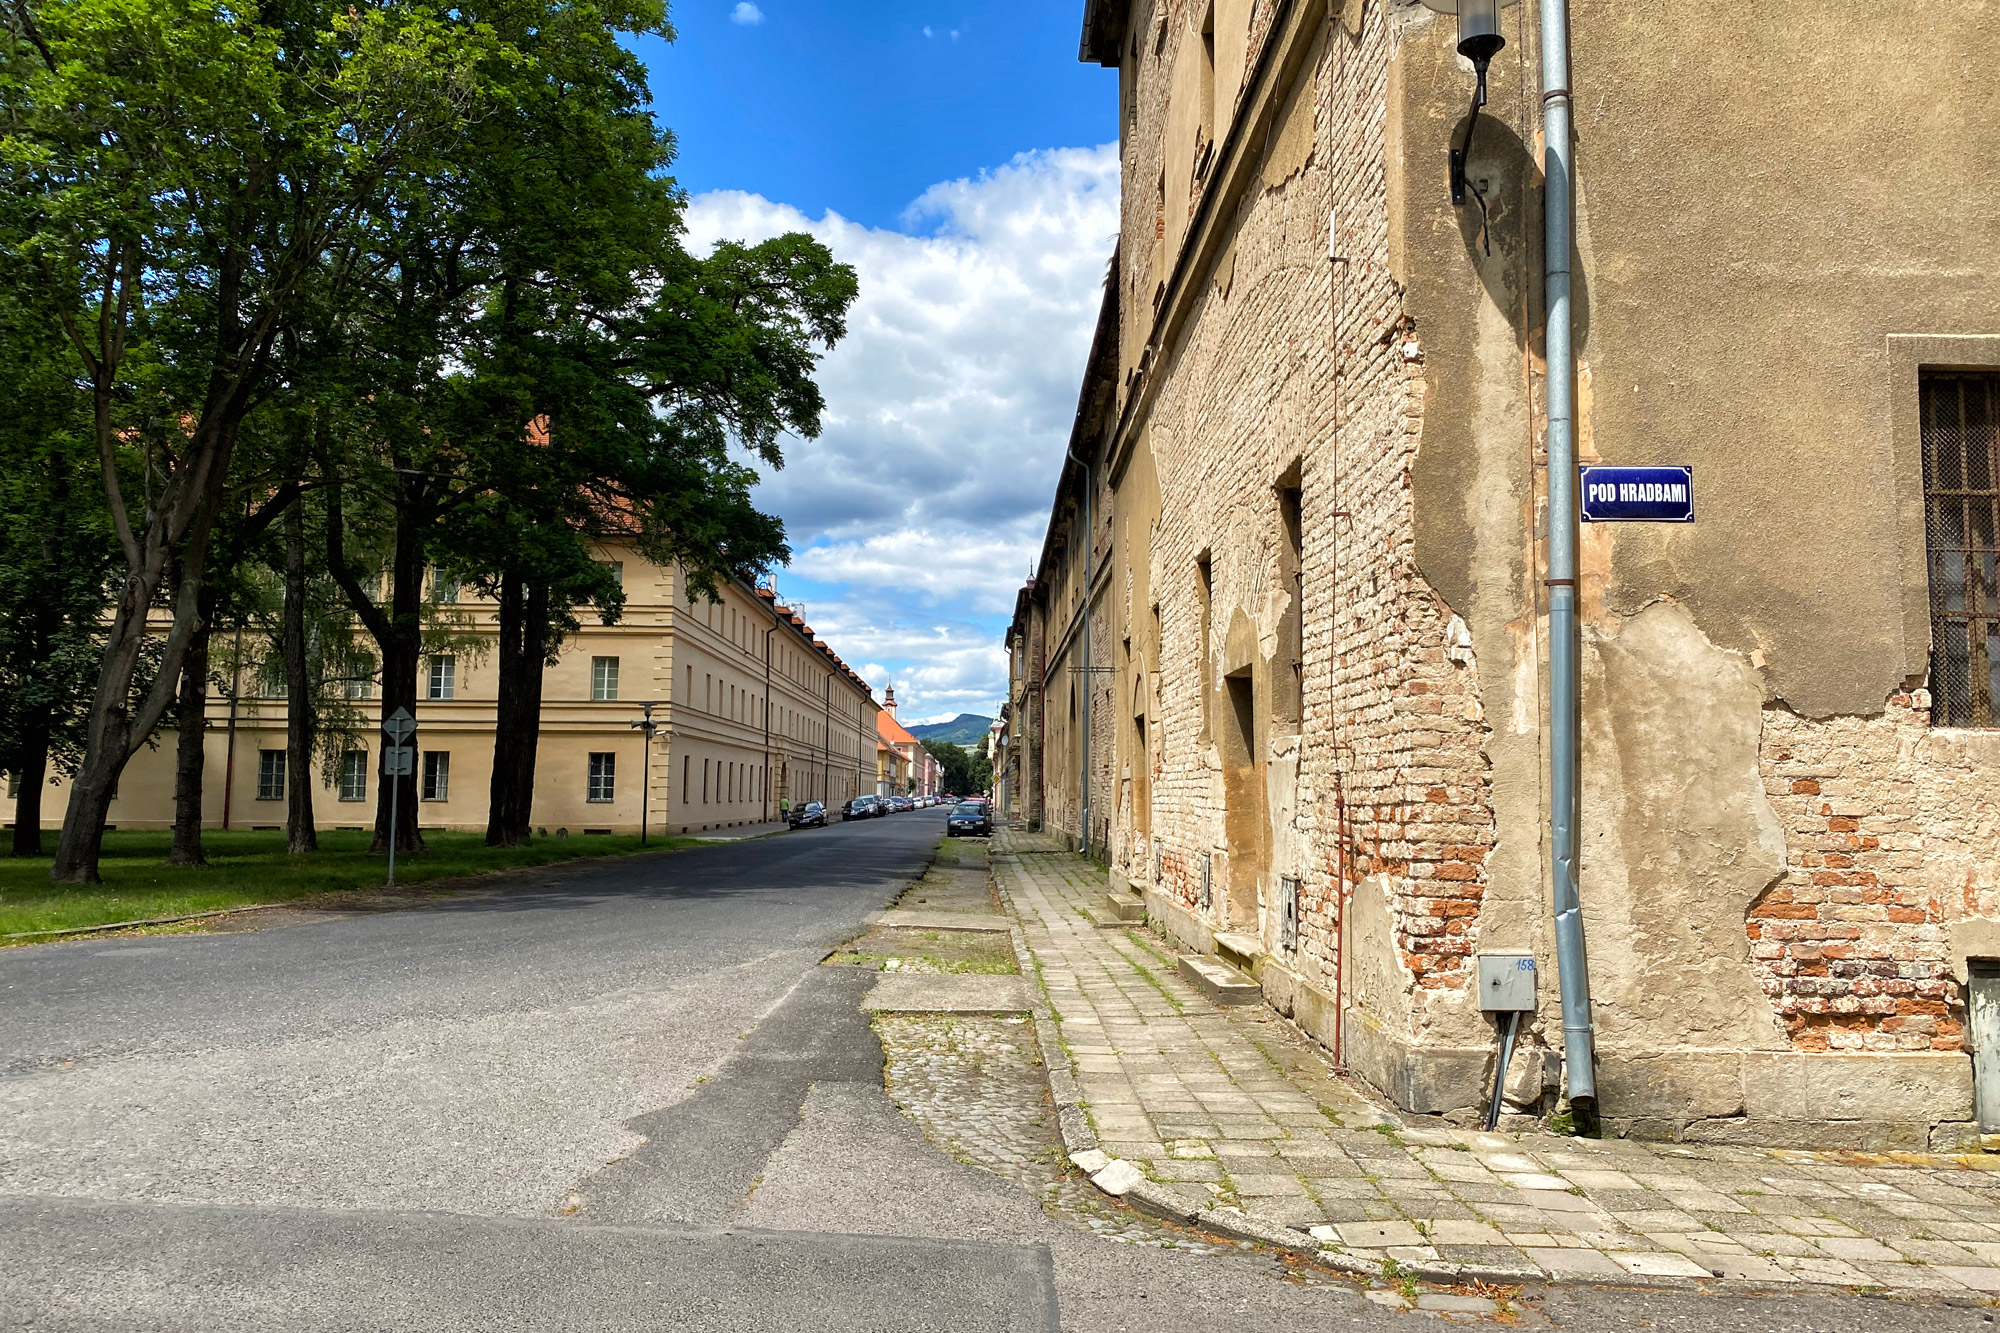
(976, 1087)
(1232, 1108)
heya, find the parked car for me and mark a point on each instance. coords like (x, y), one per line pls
(968, 819)
(861, 807)
(810, 815)
(901, 803)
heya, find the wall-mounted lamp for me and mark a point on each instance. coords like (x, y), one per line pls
(1479, 40)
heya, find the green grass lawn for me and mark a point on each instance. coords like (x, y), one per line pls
(246, 867)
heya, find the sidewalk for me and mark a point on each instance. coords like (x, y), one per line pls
(1230, 1116)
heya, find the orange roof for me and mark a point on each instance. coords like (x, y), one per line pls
(892, 730)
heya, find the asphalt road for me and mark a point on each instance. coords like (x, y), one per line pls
(626, 1097)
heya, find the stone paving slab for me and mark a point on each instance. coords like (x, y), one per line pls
(916, 920)
(1235, 1107)
(949, 993)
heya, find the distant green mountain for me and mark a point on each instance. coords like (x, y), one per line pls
(965, 729)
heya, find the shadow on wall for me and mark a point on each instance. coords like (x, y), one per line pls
(1503, 168)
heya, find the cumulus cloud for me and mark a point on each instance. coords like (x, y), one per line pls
(746, 13)
(948, 409)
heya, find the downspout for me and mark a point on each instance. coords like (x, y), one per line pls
(1579, 1058)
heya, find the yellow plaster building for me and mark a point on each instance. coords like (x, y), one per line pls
(752, 709)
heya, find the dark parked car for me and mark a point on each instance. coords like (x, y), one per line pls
(810, 815)
(863, 807)
(968, 819)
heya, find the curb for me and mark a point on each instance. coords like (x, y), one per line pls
(1159, 1201)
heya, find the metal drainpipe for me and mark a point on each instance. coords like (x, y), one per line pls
(1579, 1057)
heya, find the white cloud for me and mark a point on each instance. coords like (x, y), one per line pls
(948, 410)
(746, 13)
(927, 30)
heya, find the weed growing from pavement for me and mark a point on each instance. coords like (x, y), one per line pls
(1146, 975)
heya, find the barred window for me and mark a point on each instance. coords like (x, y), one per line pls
(354, 775)
(1961, 444)
(603, 777)
(437, 775)
(444, 677)
(270, 775)
(603, 678)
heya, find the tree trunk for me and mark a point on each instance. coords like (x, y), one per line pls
(36, 727)
(115, 731)
(501, 822)
(527, 720)
(402, 654)
(191, 751)
(300, 834)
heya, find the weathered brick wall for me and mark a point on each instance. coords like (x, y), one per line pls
(1893, 834)
(1291, 356)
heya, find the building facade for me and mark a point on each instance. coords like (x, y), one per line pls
(752, 709)
(1285, 653)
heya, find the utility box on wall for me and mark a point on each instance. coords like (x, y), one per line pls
(1507, 982)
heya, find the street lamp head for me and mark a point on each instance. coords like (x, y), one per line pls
(1479, 38)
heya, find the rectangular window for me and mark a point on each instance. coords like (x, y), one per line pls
(437, 775)
(354, 775)
(270, 775)
(444, 587)
(13, 786)
(1961, 447)
(704, 782)
(271, 677)
(687, 792)
(603, 777)
(360, 680)
(444, 677)
(603, 678)
(615, 568)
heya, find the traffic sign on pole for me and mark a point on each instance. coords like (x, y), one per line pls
(399, 761)
(399, 726)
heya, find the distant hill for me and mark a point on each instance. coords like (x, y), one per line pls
(965, 729)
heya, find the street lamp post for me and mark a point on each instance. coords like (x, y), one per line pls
(646, 726)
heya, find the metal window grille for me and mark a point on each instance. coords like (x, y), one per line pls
(603, 777)
(444, 677)
(1207, 882)
(603, 678)
(354, 775)
(437, 775)
(1288, 904)
(270, 775)
(1961, 447)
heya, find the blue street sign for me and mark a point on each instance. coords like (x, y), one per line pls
(1637, 494)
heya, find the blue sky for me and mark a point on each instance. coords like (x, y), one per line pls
(963, 171)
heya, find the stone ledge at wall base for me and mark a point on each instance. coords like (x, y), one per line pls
(1177, 923)
(1881, 1101)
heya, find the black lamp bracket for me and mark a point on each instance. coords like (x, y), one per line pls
(1459, 153)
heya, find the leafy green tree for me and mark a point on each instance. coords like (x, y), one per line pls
(965, 771)
(56, 563)
(177, 172)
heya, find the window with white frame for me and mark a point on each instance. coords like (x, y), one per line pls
(603, 678)
(444, 587)
(615, 568)
(354, 775)
(603, 777)
(437, 775)
(270, 775)
(360, 680)
(444, 677)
